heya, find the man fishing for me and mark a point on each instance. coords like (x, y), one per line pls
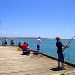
(39, 42)
(60, 53)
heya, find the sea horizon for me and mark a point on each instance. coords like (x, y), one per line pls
(33, 37)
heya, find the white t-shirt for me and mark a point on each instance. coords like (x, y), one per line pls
(39, 42)
(6, 40)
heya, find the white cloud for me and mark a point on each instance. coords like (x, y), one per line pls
(15, 32)
(2, 32)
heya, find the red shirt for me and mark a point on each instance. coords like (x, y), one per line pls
(24, 47)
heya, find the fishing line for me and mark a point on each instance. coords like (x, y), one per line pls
(68, 43)
(67, 71)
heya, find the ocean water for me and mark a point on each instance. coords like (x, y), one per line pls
(48, 46)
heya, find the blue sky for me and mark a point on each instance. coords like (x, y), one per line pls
(33, 18)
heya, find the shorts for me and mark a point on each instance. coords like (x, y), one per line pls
(25, 52)
(5, 42)
(38, 47)
(61, 57)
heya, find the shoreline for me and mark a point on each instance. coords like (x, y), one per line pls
(66, 62)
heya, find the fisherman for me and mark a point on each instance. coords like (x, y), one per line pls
(60, 53)
(39, 42)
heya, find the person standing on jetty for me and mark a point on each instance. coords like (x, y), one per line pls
(39, 42)
(5, 41)
(60, 53)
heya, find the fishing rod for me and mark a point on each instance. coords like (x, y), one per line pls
(67, 71)
(69, 43)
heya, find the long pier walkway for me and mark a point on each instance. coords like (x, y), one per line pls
(13, 63)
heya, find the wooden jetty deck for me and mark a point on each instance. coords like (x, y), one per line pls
(13, 63)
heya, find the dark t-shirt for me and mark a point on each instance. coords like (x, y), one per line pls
(59, 47)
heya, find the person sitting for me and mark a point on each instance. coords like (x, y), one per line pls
(25, 49)
(19, 45)
(28, 48)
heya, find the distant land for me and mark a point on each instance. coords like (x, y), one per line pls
(25, 37)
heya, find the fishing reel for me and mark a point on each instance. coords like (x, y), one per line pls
(67, 46)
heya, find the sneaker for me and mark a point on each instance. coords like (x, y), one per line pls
(62, 68)
(58, 68)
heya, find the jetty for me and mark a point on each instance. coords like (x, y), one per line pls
(13, 63)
